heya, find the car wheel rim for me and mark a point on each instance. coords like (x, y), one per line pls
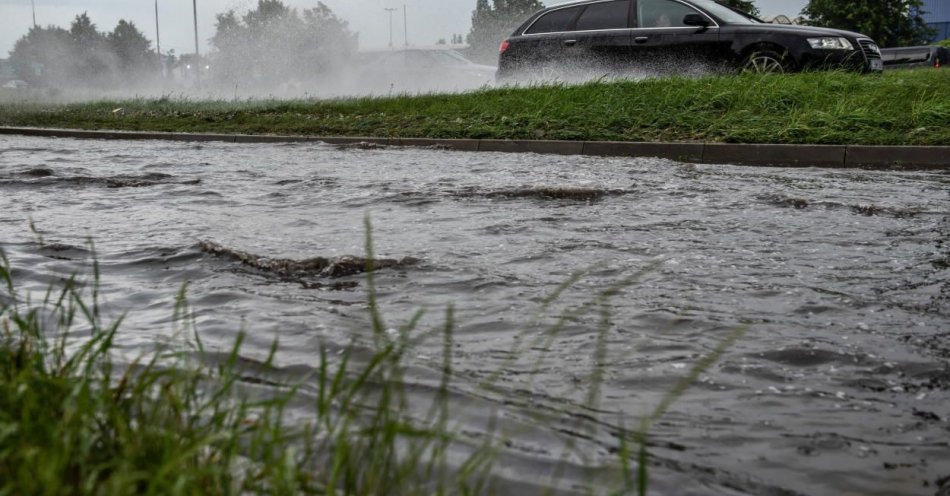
(764, 64)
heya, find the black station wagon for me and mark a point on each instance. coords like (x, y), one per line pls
(594, 38)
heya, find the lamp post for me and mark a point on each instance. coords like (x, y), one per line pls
(405, 24)
(390, 26)
(158, 41)
(194, 4)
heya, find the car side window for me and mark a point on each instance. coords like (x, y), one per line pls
(662, 13)
(555, 21)
(604, 15)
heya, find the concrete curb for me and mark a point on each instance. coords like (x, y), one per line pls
(830, 156)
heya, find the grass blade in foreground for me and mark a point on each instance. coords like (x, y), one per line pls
(181, 422)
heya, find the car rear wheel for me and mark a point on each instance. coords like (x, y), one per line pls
(766, 62)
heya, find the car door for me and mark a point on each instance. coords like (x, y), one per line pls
(544, 44)
(665, 43)
(600, 39)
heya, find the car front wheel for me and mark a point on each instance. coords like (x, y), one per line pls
(766, 62)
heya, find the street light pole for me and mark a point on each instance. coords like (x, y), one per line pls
(405, 24)
(194, 4)
(390, 26)
(158, 41)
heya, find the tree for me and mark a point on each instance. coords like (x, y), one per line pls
(890, 23)
(274, 44)
(133, 51)
(491, 24)
(84, 57)
(84, 35)
(42, 55)
(92, 64)
(747, 6)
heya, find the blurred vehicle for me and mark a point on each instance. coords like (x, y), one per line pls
(16, 84)
(916, 56)
(418, 70)
(607, 37)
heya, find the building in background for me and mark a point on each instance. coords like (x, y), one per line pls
(7, 71)
(937, 16)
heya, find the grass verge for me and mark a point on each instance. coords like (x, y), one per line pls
(895, 108)
(73, 421)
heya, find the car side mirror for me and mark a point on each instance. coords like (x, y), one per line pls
(696, 20)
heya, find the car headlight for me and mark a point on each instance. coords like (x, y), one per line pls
(830, 43)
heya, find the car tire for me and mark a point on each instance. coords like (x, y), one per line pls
(766, 61)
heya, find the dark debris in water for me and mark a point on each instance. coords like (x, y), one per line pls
(944, 484)
(925, 415)
(785, 201)
(336, 286)
(39, 172)
(147, 180)
(810, 357)
(47, 177)
(288, 181)
(61, 251)
(937, 344)
(298, 270)
(546, 193)
(866, 210)
(874, 210)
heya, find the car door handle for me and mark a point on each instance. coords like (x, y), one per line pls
(641, 39)
(570, 42)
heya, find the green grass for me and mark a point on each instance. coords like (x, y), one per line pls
(895, 108)
(185, 420)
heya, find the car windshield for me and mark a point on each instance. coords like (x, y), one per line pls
(726, 14)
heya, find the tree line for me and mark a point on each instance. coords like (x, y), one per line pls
(270, 44)
(84, 57)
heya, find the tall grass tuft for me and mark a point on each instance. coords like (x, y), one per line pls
(189, 420)
(73, 421)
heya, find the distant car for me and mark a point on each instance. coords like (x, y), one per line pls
(607, 37)
(16, 84)
(916, 56)
(418, 70)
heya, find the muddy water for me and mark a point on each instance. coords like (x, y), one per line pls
(841, 279)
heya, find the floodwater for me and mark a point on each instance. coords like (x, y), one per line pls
(840, 278)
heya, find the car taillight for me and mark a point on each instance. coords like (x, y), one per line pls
(504, 46)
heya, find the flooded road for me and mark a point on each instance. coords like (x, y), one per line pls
(840, 278)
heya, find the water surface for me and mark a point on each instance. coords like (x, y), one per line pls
(839, 386)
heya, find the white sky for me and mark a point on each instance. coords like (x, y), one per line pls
(428, 20)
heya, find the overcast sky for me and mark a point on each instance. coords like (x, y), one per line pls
(428, 20)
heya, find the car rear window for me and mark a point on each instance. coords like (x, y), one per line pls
(555, 21)
(605, 15)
